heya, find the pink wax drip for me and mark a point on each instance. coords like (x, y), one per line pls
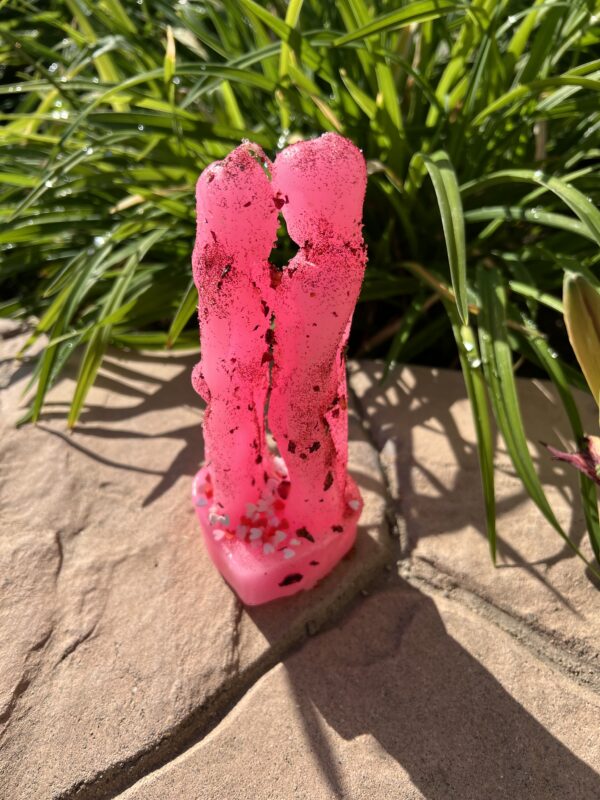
(276, 525)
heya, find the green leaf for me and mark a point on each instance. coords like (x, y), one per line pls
(100, 337)
(419, 11)
(187, 307)
(470, 363)
(587, 488)
(498, 369)
(445, 184)
(579, 203)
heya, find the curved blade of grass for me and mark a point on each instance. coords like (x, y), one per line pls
(403, 333)
(419, 11)
(292, 15)
(581, 205)
(187, 307)
(286, 33)
(535, 87)
(587, 488)
(470, 363)
(447, 192)
(536, 215)
(100, 337)
(541, 297)
(498, 369)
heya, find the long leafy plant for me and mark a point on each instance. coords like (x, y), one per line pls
(480, 122)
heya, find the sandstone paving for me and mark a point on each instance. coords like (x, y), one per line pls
(421, 423)
(411, 696)
(119, 640)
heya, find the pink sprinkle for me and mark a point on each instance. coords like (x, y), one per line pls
(218, 534)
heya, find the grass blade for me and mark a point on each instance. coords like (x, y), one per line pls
(187, 307)
(470, 363)
(587, 489)
(498, 369)
(420, 11)
(445, 184)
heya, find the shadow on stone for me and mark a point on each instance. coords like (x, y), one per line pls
(429, 453)
(392, 671)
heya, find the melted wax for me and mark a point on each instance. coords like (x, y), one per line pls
(273, 346)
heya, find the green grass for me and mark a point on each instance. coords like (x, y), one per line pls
(480, 122)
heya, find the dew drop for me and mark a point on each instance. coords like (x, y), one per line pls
(53, 67)
(140, 127)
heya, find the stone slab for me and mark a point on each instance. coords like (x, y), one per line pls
(422, 425)
(119, 640)
(409, 697)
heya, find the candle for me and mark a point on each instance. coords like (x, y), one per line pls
(273, 345)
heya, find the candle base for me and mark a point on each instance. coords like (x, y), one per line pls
(264, 556)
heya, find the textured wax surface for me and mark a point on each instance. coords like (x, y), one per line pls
(276, 338)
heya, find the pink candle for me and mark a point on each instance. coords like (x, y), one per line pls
(276, 524)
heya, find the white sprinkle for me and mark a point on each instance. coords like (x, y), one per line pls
(295, 542)
(218, 534)
(250, 509)
(280, 467)
(274, 522)
(224, 520)
(201, 501)
(288, 553)
(261, 505)
(268, 548)
(354, 505)
(279, 536)
(241, 531)
(255, 533)
(213, 518)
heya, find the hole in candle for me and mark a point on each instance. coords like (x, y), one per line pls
(289, 579)
(304, 534)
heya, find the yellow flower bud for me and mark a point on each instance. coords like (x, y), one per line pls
(582, 316)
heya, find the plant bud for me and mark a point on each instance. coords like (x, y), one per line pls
(582, 317)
